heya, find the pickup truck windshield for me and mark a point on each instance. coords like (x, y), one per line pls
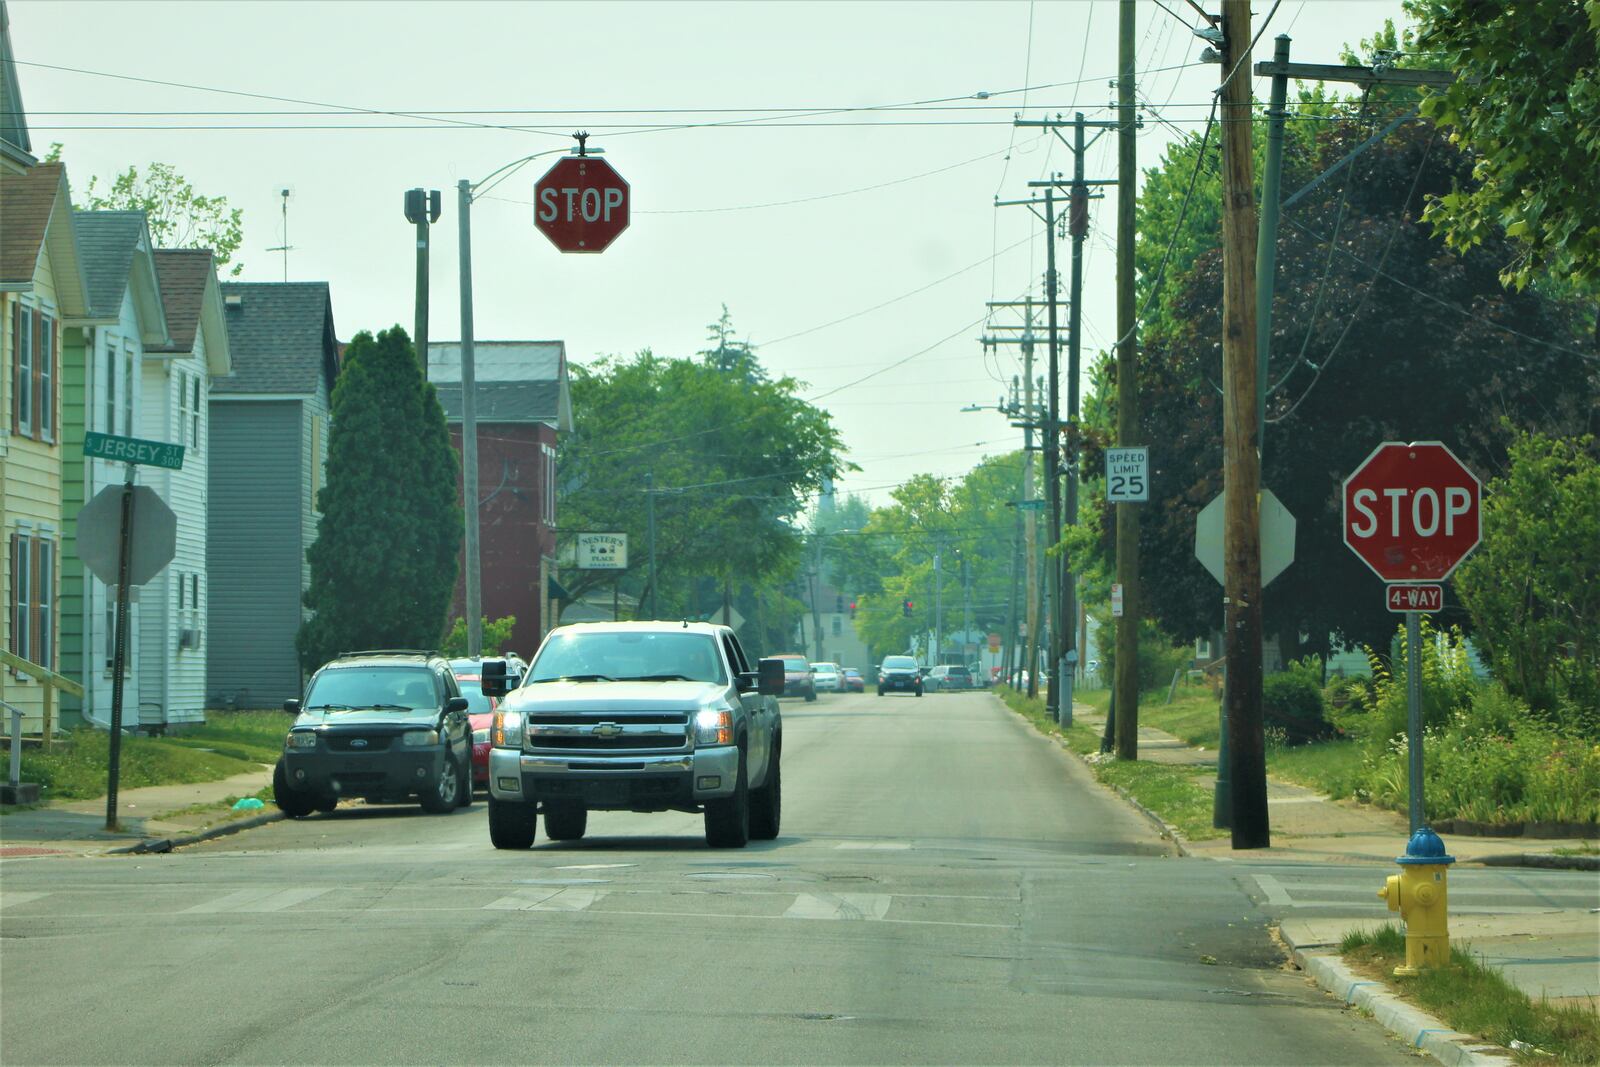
(622, 655)
(392, 688)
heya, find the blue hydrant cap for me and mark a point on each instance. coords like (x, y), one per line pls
(1425, 846)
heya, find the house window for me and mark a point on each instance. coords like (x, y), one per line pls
(111, 388)
(127, 391)
(183, 406)
(549, 495)
(33, 583)
(194, 594)
(45, 358)
(22, 594)
(22, 380)
(182, 588)
(194, 412)
(838, 626)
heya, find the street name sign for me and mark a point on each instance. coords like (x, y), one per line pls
(133, 450)
(155, 534)
(1031, 505)
(1411, 511)
(602, 552)
(1401, 597)
(1116, 600)
(1128, 475)
(581, 204)
(1277, 536)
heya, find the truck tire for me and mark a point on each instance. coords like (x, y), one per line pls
(766, 803)
(291, 801)
(512, 823)
(327, 803)
(728, 818)
(441, 795)
(565, 821)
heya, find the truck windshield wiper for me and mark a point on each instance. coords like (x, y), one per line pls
(658, 678)
(329, 707)
(575, 678)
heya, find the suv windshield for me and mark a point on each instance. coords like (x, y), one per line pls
(795, 666)
(628, 655)
(395, 688)
(899, 663)
(472, 689)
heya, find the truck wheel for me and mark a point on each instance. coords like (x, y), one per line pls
(728, 818)
(565, 821)
(465, 798)
(443, 793)
(291, 801)
(512, 823)
(327, 803)
(766, 803)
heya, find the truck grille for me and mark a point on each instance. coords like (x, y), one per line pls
(349, 742)
(610, 732)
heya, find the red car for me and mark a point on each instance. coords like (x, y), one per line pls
(480, 712)
(853, 682)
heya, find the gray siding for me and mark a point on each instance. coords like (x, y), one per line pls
(255, 549)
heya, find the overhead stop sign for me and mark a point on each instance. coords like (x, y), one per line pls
(1411, 511)
(581, 204)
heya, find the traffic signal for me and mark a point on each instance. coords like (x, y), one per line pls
(852, 609)
(906, 608)
(838, 604)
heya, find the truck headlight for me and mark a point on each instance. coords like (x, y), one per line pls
(419, 738)
(300, 739)
(507, 729)
(713, 727)
(480, 736)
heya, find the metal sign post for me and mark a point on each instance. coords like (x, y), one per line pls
(119, 655)
(1414, 715)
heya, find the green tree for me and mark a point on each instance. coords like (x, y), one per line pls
(383, 565)
(1533, 585)
(1524, 105)
(728, 354)
(178, 216)
(496, 636)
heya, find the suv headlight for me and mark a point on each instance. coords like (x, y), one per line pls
(480, 736)
(300, 739)
(419, 738)
(713, 727)
(507, 729)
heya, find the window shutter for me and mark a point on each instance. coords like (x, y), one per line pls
(45, 357)
(44, 602)
(16, 586)
(16, 369)
(37, 383)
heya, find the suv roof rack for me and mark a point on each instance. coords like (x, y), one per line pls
(388, 652)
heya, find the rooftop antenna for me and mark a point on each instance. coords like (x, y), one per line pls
(286, 192)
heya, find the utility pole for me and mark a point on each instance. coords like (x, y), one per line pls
(1029, 421)
(422, 209)
(938, 606)
(650, 526)
(1052, 453)
(1078, 227)
(1241, 463)
(1127, 665)
(816, 613)
(469, 429)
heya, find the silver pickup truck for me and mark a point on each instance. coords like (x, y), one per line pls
(636, 716)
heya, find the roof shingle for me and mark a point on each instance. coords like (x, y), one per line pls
(26, 201)
(182, 273)
(106, 243)
(281, 336)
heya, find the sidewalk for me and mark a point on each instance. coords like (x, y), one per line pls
(152, 814)
(1554, 952)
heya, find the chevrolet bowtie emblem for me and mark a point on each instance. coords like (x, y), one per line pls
(606, 729)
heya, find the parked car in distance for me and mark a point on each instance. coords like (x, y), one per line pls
(385, 726)
(899, 674)
(947, 676)
(480, 711)
(853, 682)
(798, 679)
(827, 677)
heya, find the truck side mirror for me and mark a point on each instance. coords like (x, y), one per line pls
(292, 707)
(769, 677)
(493, 679)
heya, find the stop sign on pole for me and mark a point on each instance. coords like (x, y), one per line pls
(581, 204)
(1411, 511)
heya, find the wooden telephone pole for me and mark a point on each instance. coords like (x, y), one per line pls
(1241, 460)
(1126, 683)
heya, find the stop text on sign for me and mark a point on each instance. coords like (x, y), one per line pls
(1411, 511)
(571, 202)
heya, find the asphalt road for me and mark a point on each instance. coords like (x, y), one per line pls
(948, 888)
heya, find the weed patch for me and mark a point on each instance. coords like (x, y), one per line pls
(75, 766)
(1478, 1000)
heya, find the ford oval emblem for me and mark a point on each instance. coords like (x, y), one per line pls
(358, 742)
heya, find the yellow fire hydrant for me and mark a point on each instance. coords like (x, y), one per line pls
(1419, 894)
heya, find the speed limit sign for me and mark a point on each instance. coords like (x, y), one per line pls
(1127, 475)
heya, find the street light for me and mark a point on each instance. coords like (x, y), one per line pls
(465, 192)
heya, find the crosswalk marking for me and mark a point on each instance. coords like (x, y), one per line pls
(256, 900)
(8, 899)
(839, 906)
(547, 899)
(874, 846)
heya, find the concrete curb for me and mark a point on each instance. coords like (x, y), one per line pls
(167, 844)
(1412, 1025)
(1540, 859)
(1167, 830)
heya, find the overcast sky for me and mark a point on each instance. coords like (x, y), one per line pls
(882, 219)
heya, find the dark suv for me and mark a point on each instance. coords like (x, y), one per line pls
(385, 726)
(899, 674)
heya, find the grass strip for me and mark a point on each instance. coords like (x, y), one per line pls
(1476, 999)
(1178, 795)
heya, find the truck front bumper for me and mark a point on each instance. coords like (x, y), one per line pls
(398, 772)
(618, 783)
